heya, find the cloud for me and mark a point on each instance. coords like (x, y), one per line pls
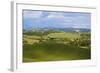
(58, 16)
(81, 26)
(32, 14)
(55, 15)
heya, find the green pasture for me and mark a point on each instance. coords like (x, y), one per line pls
(46, 47)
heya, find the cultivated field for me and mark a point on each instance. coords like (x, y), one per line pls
(56, 46)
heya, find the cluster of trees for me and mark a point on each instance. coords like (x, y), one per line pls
(84, 40)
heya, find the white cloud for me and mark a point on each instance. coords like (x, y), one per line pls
(58, 17)
(55, 15)
(32, 14)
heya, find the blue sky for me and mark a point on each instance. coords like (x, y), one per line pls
(50, 19)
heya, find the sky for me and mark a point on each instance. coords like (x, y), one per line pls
(55, 19)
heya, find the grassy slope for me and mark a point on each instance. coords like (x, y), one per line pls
(64, 35)
(53, 51)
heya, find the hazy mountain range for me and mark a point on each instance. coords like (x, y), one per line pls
(60, 29)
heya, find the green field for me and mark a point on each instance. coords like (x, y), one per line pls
(56, 46)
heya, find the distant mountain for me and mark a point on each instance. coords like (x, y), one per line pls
(60, 29)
